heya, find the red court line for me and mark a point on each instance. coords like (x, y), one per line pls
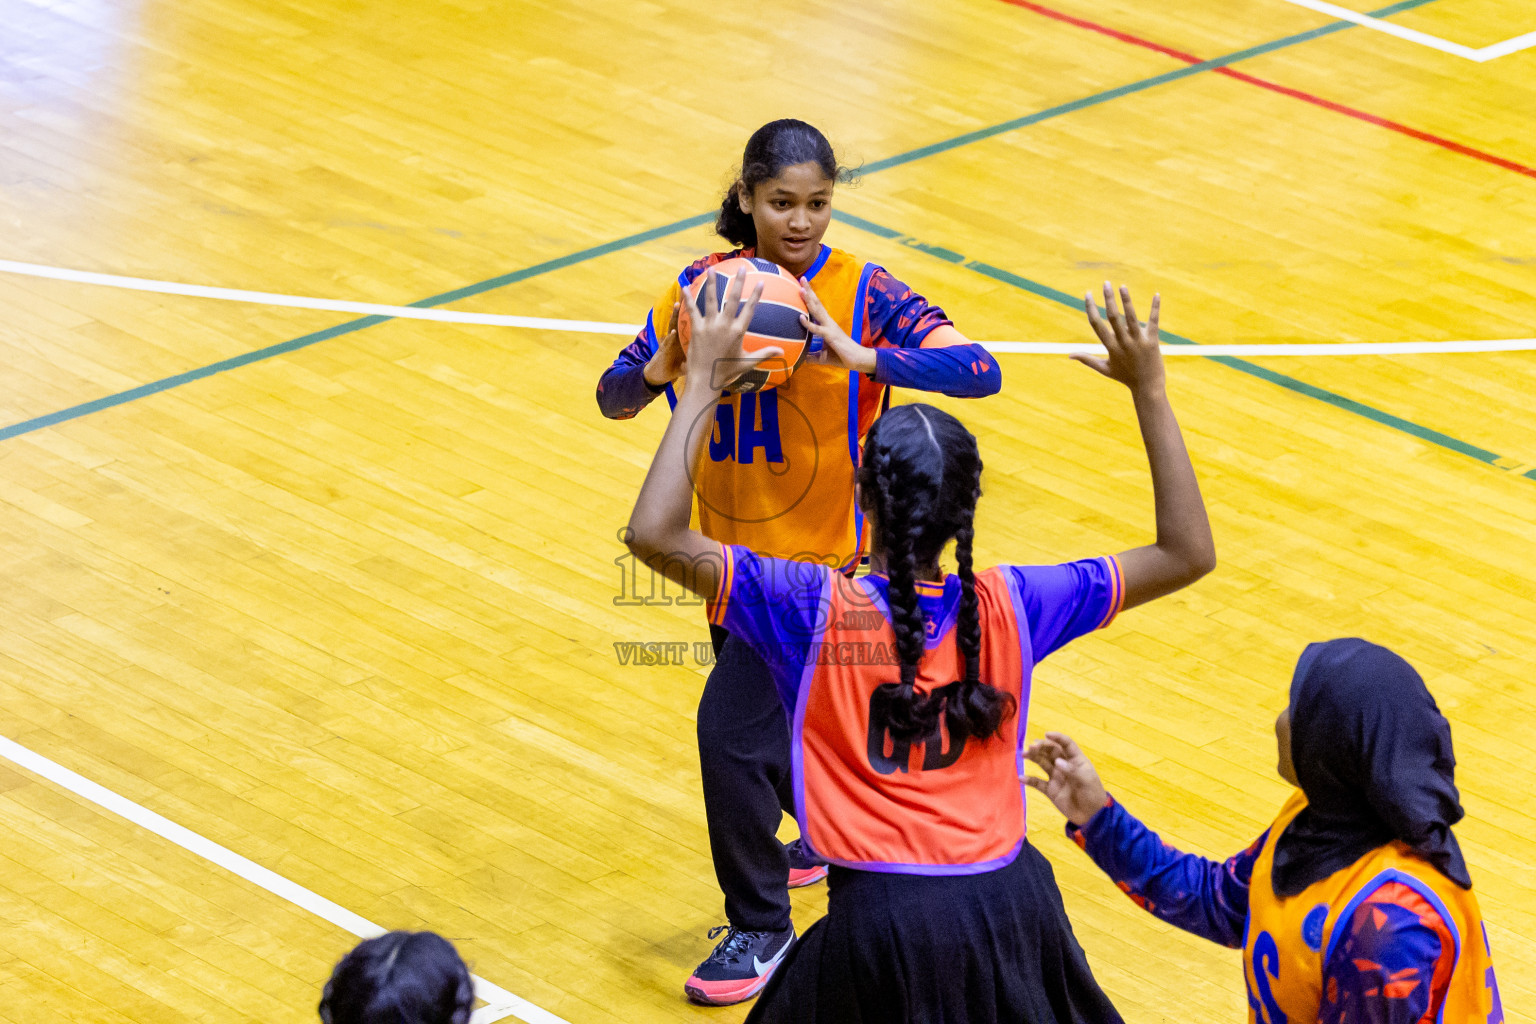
(1284, 90)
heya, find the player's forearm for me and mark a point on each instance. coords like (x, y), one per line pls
(959, 371)
(1203, 897)
(622, 391)
(658, 525)
(1183, 528)
(1184, 550)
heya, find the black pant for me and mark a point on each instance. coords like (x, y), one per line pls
(744, 759)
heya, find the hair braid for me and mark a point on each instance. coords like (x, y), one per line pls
(908, 714)
(974, 708)
(922, 479)
(968, 624)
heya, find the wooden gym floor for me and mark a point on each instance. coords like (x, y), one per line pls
(349, 610)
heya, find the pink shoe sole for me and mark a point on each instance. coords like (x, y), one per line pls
(801, 877)
(725, 993)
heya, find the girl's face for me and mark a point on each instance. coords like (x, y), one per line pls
(791, 213)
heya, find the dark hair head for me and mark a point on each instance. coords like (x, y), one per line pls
(399, 978)
(773, 147)
(920, 479)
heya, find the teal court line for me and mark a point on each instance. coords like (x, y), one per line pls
(640, 238)
(351, 326)
(1290, 383)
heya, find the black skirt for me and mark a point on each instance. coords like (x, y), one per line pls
(993, 948)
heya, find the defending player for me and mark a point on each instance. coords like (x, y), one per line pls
(908, 690)
(778, 477)
(1355, 905)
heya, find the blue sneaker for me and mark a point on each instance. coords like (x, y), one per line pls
(739, 967)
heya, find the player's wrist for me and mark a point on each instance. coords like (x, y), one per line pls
(1089, 806)
(699, 385)
(1150, 392)
(655, 376)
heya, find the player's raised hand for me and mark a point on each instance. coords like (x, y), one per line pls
(1071, 782)
(1135, 358)
(837, 349)
(715, 356)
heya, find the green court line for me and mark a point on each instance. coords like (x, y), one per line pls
(1290, 383)
(304, 341)
(639, 238)
(1127, 90)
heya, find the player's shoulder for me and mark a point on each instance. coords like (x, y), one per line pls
(835, 260)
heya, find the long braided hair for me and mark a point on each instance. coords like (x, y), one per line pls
(401, 978)
(920, 480)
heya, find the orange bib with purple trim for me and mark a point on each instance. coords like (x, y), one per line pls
(936, 806)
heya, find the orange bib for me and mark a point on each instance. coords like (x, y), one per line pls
(936, 807)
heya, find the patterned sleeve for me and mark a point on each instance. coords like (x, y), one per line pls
(1205, 897)
(896, 315)
(776, 605)
(1392, 964)
(622, 390)
(916, 345)
(1064, 602)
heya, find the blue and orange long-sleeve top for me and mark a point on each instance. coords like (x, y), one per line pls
(1387, 941)
(778, 476)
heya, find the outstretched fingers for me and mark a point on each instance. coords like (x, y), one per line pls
(1044, 753)
(1132, 325)
(762, 355)
(733, 290)
(744, 312)
(1098, 363)
(1096, 320)
(1116, 316)
(813, 305)
(1069, 750)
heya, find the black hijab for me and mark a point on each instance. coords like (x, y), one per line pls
(1373, 754)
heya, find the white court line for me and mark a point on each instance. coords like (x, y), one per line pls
(499, 1002)
(1375, 348)
(142, 284)
(1480, 55)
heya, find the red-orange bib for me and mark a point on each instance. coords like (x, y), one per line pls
(935, 807)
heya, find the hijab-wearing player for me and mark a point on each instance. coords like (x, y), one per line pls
(907, 692)
(1355, 906)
